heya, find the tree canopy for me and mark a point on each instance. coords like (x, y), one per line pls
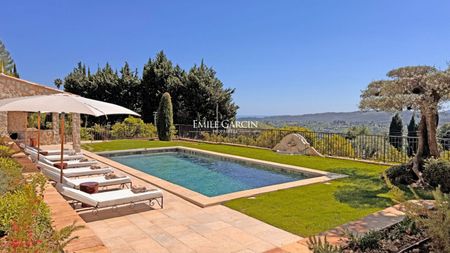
(7, 64)
(396, 132)
(421, 88)
(195, 94)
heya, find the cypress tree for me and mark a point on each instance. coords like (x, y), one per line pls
(164, 118)
(396, 132)
(412, 136)
(15, 73)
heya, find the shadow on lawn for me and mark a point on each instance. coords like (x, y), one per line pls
(361, 190)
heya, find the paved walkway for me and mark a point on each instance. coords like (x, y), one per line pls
(63, 215)
(183, 227)
(375, 221)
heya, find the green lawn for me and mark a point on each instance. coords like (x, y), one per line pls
(304, 210)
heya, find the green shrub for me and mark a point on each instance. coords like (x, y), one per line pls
(10, 175)
(133, 127)
(435, 222)
(26, 222)
(437, 173)
(165, 118)
(335, 145)
(401, 174)
(5, 151)
(85, 134)
(316, 245)
(365, 242)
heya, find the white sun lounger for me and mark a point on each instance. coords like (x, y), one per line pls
(75, 182)
(49, 151)
(70, 164)
(54, 158)
(111, 198)
(77, 172)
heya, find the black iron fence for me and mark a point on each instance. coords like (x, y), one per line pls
(381, 148)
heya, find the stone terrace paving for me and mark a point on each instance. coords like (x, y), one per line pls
(182, 227)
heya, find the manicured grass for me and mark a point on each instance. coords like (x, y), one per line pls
(305, 210)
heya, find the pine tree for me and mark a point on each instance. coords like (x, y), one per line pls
(396, 132)
(164, 118)
(14, 72)
(155, 81)
(7, 64)
(412, 136)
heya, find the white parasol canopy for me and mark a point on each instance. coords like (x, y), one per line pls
(62, 103)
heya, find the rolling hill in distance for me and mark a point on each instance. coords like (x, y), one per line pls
(377, 122)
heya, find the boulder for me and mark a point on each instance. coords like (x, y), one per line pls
(295, 144)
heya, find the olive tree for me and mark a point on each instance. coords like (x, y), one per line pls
(419, 88)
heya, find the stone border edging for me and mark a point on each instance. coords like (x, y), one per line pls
(202, 200)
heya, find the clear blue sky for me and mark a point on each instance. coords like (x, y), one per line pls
(283, 57)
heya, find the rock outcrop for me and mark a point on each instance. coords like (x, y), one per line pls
(295, 144)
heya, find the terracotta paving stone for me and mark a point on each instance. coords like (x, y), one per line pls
(63, 215)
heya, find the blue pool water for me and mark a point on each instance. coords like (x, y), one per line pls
(207, 175)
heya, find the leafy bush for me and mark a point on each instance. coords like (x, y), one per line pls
(85, 134)
(26, 222)
(335, 145)
(133, 127)
(5, 151)
(365, 242)
(436, 221)
(401, 174)
(316, 245)
(437, 173)
(10, 175)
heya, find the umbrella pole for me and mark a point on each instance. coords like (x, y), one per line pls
(39, 135)
(61, 165)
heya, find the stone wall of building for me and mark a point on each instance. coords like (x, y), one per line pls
(16, 122)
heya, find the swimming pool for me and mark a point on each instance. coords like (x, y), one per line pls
(208, 175)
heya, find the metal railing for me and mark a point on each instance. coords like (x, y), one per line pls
(381, 148)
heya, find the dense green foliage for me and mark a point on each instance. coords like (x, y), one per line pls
(105, 85)
(7, 64)
(195, 94)
(323, 206)
(164, 120)
(132, 127)
(412, 132)
(25, 221)
(444, 134)
(10, 174)
(435, 221)
(401, 174)
(437, 173)
(396, 132)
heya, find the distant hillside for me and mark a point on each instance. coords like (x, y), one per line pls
(378, 122)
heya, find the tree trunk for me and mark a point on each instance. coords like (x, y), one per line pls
(431, 128)
(422, 148)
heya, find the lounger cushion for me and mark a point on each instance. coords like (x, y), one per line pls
(109, 198)
(75, 183)
(76, 172)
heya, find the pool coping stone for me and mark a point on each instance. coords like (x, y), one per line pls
(200, 199)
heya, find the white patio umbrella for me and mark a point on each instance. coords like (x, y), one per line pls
(62, 103)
